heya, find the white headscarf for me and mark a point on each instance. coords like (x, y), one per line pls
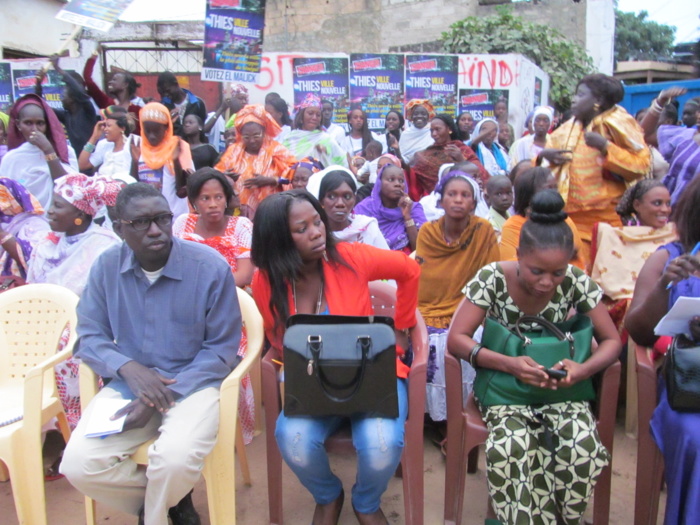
(541, 110)
(431, 203)
(314, 184)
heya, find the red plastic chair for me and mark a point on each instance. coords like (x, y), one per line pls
(650, 463)
(466, 431)
(411, 468)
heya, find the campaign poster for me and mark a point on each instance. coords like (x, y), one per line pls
(95, 14)
(6, 97)
(325, 77)
(538, 91)
(233, 40)
(433, 77)
(377, 84)
(24, 81)
(480, 103)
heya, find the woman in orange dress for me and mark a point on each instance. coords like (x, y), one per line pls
(258, 163)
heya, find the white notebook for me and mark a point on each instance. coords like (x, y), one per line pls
(100, 424)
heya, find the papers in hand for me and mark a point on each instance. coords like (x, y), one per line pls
(100, 424)
(676, 321)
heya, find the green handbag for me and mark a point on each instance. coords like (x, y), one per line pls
(556, 341)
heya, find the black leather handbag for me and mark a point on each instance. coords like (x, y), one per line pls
(682, 375)
(336, 365)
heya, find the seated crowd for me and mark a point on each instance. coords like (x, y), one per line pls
(144, 207)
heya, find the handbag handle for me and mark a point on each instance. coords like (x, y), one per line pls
(315, 347)
(551, 327)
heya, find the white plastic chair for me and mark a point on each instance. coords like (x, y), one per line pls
(32, 320)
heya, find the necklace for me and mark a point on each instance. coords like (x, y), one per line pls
(318, 303)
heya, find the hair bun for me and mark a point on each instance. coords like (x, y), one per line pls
(547, 207)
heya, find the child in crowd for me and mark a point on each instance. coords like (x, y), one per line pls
(499, 195)
(303, 170)
(368, 171)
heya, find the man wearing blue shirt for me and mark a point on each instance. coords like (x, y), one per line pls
(160, 320)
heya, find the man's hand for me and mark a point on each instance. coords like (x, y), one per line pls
(137, 415)
(148, 386)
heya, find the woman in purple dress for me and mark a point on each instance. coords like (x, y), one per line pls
(676, 433)
(679, 145)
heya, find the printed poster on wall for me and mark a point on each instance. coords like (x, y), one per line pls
(325, 77)
(433, 77)
(377, 84)
(538, 92)
(6, 97)
(480, 103)
(233, 40)
(95, 14)
(24, 80)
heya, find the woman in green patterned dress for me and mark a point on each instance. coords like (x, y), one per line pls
(529, 482)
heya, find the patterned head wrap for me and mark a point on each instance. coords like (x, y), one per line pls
(310, 101)
(413, 104)
(15, 199)
(393, 159)
(88, 194)
(113, 112)
(237, 89)
(256, 113)
(310, 163)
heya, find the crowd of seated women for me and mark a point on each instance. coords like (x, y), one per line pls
(466, 219)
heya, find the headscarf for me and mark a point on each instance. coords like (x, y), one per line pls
(393, 159)
(158, 156)
(431, 203)
(54, 129)
(88, 194)
(237, 89)
(542, 110)
(15, 199)
(5, 119)
(256, 113)
(309, 163)
(412, 104)
(495, 149)
(391, 221)
(311, 100)
(113, 112)
(314, 184)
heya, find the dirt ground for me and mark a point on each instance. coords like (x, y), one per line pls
(65, 504)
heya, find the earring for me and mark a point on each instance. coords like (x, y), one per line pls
(596, 107)
(325, 256)
(78, 221)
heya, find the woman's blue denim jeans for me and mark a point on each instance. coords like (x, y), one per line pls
(378, 442)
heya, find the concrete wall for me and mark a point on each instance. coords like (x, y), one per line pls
(377, 25)
(30, 26)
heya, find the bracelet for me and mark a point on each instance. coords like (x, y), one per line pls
(472, 356)
(50, 157)
(7, 237)
(656, 107)
(89, 147)
(409, 223)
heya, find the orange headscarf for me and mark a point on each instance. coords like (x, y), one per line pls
(158, 156)
(256, 113)
(412, 104)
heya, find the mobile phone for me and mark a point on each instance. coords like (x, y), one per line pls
(556, 374)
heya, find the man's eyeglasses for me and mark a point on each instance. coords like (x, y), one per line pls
(143, 223)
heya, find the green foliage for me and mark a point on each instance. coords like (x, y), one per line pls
(637, 38)
(563, 60)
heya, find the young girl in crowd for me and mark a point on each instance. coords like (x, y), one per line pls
(399, 217)
(303, 270)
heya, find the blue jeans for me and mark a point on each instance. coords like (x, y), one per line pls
(378, 442)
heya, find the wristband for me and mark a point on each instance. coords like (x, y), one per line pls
(89, 147)
(50, 157)
(282, 180)
(409, 223)
(656, 107)
(7, 237)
